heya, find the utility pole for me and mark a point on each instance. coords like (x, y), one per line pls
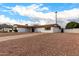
(56, 17)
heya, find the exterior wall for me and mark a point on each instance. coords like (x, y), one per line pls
(1, 29)
(55, 29)
(22, 29)
(29, 29)
(43, 30)
(71, 30)
(52, 30)
(7, 29)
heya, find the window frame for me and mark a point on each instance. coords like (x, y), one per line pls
(47, 28)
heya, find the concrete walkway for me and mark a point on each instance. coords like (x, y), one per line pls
(18, 36)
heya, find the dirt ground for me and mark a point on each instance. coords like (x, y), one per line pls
(11, 34)
(48, 44)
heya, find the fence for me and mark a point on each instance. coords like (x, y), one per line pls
(76, 30)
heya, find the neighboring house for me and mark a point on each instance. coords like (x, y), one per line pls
(51, 28)
(6, 28)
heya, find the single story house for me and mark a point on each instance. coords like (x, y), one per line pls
(50, 28)
(6, 28)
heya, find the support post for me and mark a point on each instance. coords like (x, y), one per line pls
(56, 17)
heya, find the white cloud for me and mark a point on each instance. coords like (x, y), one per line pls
(7, 20)
(4, 19)
(44, 9)
(34, 6)
(73, 13)
(32, 11)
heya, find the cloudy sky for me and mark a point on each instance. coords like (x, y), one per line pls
(38, 13)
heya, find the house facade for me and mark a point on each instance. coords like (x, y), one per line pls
(6, 28)
(51, 28)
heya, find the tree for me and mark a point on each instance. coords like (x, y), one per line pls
(71, 25)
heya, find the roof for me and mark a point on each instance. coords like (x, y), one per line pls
(38, 26)
(5, 26)
(48, 25)
(20, 26)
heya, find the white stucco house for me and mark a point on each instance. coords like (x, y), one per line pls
(6, 28)
(50, 28)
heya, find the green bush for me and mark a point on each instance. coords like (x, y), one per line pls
(71, 25)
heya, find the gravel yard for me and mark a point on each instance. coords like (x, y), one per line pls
(48, 44)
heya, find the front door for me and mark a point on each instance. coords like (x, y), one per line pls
(32, 29)
(62, 30)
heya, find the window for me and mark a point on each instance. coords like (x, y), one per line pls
(47, 28)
